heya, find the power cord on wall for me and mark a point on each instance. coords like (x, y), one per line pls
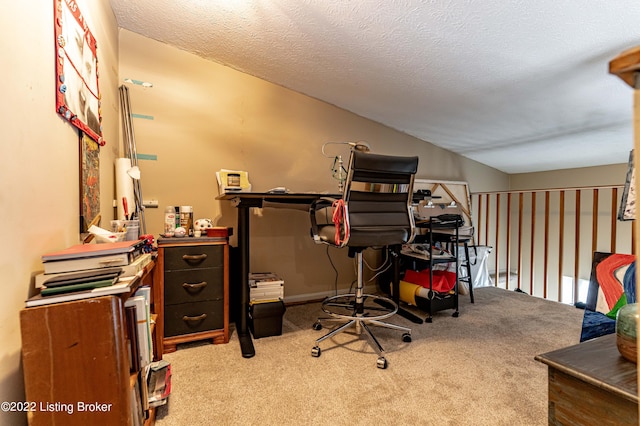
(335, 282)
(384, 267)
(386, 264)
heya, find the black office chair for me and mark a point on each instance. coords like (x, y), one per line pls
(375, 211)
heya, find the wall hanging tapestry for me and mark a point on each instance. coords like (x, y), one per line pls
(77, 92)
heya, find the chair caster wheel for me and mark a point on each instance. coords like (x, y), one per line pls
(456, 314)
(317, 326)
(381, 363)
(315, 351)
(406, 337)
(429, 320)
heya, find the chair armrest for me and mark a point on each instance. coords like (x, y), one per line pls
(322, 208)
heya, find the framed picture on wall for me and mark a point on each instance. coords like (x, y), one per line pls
(77, 90)
(89, 181)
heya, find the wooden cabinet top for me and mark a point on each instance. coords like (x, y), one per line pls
(598, 363)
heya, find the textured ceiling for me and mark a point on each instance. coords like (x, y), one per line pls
(518, 85)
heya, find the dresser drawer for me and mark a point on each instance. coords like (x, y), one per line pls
(186, 318)
(196, 256)
(193, 285)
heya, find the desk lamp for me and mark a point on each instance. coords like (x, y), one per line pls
(337, 169)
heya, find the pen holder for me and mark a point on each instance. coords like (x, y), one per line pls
(130, 227)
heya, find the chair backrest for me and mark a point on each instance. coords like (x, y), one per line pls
(377, 198)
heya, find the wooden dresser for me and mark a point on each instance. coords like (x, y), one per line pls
(591, 384)
(76, 361)
(194, 293)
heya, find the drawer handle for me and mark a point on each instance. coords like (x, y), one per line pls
(197, 286)
(198, 318)
(194, 257)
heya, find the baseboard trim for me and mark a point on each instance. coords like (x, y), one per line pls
(315, 297)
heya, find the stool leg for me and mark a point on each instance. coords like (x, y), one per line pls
(338, 330)
(357, 314)
(377, 345)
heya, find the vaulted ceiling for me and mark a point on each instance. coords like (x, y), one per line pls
(518, 85)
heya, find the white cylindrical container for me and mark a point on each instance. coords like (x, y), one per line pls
(186, 219)
(169, 221)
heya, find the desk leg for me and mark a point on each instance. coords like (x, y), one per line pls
(244, 335)
(395, 258)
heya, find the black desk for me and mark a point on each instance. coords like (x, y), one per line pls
(244, 201)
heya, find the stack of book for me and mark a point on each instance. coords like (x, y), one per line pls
(140, 349)
(159, 383)
(88, 270)
(138, 312)
(265, 287)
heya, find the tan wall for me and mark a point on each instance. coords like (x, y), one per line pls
(40, 172)
(613, 174)
(207, 117)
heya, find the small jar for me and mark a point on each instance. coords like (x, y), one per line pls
(186, 219)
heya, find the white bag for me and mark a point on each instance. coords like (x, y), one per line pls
(478, 260)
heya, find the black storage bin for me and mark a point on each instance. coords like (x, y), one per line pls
(265, 319)
(439, 302)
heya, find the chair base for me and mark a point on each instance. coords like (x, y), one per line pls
(355, 311)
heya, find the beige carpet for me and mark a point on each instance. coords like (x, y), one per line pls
(477, 369)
